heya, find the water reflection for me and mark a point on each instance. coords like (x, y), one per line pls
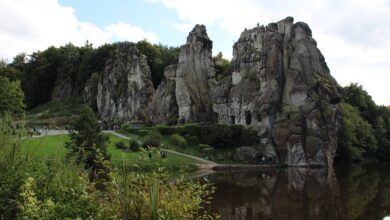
(301, 193)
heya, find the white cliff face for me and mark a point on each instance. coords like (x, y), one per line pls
(125, 89)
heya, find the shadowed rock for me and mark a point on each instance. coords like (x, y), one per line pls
(281, 86)
(125, 89)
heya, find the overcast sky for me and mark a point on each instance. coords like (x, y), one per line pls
(353, 35)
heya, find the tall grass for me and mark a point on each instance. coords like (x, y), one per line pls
(54, 188)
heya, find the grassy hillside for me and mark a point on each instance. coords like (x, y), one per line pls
(54, 146)
(54, 113)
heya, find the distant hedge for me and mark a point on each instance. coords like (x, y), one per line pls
(216, 135)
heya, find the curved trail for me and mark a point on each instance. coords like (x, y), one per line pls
(205, 165)
(201, 160)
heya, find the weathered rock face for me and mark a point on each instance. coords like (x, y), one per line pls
(193, 74)
(163, 107)
(281, 86)
(125, 88)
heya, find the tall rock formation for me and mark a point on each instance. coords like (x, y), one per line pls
(163, 107)
(125, 88)
(281, 85)
(193, 74)
(185, 94)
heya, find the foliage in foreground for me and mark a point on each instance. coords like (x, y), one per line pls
(11, 96)
(53, 188)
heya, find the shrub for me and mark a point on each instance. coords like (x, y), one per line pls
(193, 140)
(190, 129)
(166, 130)
(153, 139)
(179, 140)
(143, 132)
(120, 145)
(203, 146)
(206, 149)
(133, 145)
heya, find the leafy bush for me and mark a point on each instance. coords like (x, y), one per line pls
(133, 145)
(166, 130)
(179, 140)
(356, 137)
(161, 198)
(192, 139)
(143, 132)
(364, 123)
(11, 97)
(206, 149)
(153, 139)
(190, 129)
(37, 188)
(203, 146)
(120, 145)
(224, 136)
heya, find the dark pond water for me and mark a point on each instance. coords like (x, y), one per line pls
(355, 192)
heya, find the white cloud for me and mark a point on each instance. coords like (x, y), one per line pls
(352, 34)
(123, 31)
(184, 27)
(30, 25)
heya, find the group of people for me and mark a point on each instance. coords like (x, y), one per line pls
(162, 154)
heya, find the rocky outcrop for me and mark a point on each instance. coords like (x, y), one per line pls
(185, 95)
(281, 86)
(193, 78)
(163, 107)
(125, 88)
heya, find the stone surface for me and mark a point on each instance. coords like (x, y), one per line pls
(125, 89)
(194, 72)
(281, 86)
(163, 107)
(278, 83)
(246, 153)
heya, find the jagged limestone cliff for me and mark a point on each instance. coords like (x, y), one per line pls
(279, 85)
(124, 89)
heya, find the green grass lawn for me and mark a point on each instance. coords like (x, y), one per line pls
(192, 149)
(54, 146)
(49, 146)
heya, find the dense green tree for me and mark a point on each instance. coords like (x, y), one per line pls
(9, 72)
(11, 97)
(363, 122)
(158, 57)
(356, 138)
(88, 145)
(40, 76)
(220, 64)
(19, 61)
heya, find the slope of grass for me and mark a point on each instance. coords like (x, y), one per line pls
(54, 113)
(220, 156)
(54, 146)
